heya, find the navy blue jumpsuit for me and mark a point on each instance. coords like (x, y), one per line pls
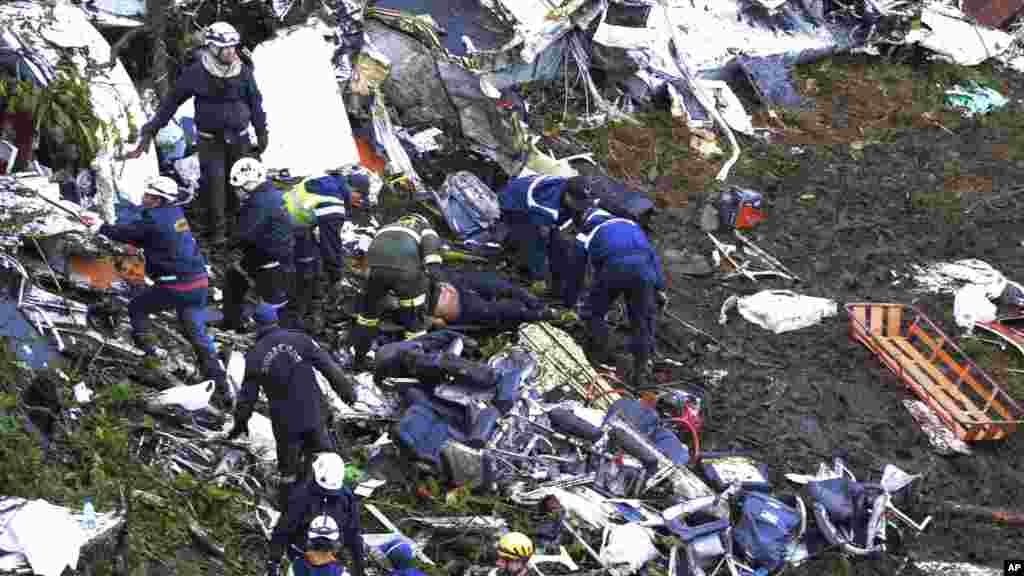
(264, 235)
(178, 270)
(307, 501)
(624, 264)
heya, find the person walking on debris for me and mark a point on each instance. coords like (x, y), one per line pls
(281, 363)
(486, 299)
(624, 263)
(321, 514)
(514, 552)
(227, 100)
(399, 554)
(402, 258)
(177, 268)
(320, 203)
(533, 208)
(265, 237)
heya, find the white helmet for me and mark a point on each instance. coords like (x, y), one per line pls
(222, 35)
(323, 528)
(163, 187)
(329, 470)
(248, 174)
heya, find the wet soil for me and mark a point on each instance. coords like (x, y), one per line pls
(846, 219)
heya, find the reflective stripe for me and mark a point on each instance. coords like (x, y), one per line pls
(368, 322)
(586, 239)
(166, 278)
(270, 265)
(530, 203)
(413, 302)
(305, 260)
(432, 259)
(330, 209)
(411, 335)
(400, 229)
(429, 232)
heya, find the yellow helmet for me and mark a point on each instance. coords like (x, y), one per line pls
(515, 546)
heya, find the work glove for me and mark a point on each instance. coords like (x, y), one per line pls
(662, 299)
(262, 141)
(273, 568)
(92, 220)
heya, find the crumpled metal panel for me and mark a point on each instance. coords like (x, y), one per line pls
(562, 363)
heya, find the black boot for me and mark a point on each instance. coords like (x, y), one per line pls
(475, 374)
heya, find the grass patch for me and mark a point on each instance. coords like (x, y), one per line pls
(89, 455)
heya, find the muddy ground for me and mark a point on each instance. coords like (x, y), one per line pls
(845, 244)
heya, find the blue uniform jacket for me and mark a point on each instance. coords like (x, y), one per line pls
(222, 104)
(538, 196)
(264, 228)
(171, 252)
(604, 240)
(281, 363)
(308, 500)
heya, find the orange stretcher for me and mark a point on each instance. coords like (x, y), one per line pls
(936, 369)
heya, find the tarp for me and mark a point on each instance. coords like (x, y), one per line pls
(114, 97)
(306, 116)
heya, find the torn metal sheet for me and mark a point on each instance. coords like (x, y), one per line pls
(114, 97)
(321, 118)
(954, 37)
(464, 524)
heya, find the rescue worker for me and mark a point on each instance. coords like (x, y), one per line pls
(227, 100)
(320, 204)
(264, 235)
(514, 552)
(402, 258)
(533, 209)
(281, 363)
(320, 515)
(483, 298)
(399, 556)
(176, 267)
(624, 263)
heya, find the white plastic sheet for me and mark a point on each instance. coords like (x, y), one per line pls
(306, 117)
(191, 398)
(46, 535)
(629, 547)
(972, 305)
(784, 311)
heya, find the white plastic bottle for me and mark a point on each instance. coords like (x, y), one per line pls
(88, 515)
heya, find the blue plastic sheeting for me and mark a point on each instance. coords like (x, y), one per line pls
(21, 338)
(771, 77)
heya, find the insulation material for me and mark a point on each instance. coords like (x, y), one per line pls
(972, 305)
(321, 119)
(784, 311)
(47, 536)
(948, 277)
(629, 547)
